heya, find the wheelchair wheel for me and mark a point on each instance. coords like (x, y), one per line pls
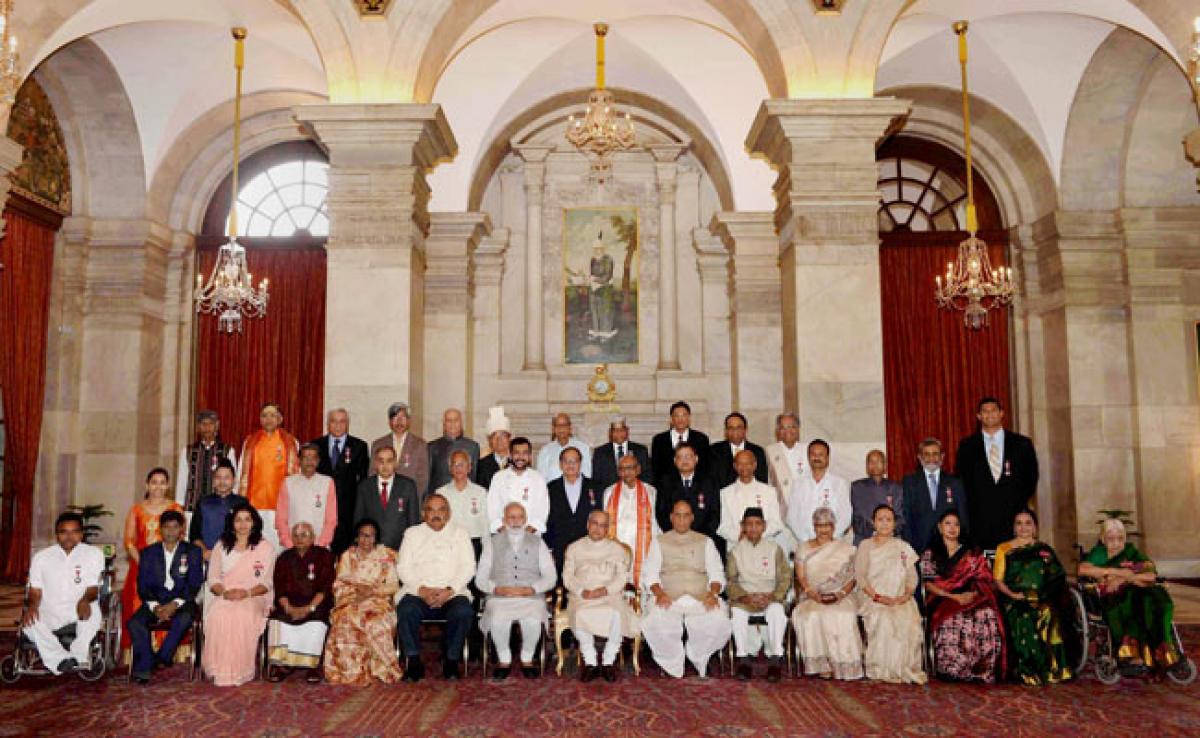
(1107, 671)
(1076, 633)
(97, 665)
(9, 673)
(1183, 673)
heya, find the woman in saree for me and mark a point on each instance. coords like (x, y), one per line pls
(825, 617)
(1033, 582)
(362, 627)
(141, 530)
(240, 574)
(968, 632)
(886, 567)
(1137, 609)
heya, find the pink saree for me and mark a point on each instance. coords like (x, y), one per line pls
(232, 627)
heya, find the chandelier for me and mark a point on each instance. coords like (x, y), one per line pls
(10, 74)
(601, 130)
(972, 284)
(229, 292)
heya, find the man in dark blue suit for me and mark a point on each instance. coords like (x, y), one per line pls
(347, 461)
(929, 492)
(170, 574)
(605, 458)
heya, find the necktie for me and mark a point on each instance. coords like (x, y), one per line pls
(383, 494)
(994, 460)
(933, 491)
(337, 452)
(621, 451)
(687, 486)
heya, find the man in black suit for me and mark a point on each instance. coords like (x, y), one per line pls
(170, 574)
(605, 458)
(999, 469)
(929, 492)
(440, 450)
(389, 499)
(347, 460)
(572, 498)
(722, 453)
(685, 482)
(662, 447)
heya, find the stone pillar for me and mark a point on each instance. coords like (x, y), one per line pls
(534, 156)
(449, 332)
(712, 263)
(10, 159)
(757, 328)
(827, 200)
(379, 157)
(666, 158)
(487, 266)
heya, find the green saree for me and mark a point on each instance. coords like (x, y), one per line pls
(1037, 654)
(1139, 617)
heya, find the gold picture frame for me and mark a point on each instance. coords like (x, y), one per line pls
(601, 260)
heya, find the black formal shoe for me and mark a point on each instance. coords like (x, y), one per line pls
(530, 672)
(500, 673)
(610, 672)
(744, 670)
(68, 666)
(587, 674)
(414, 670)
(774, 670)
(450, 670)
(142, 679)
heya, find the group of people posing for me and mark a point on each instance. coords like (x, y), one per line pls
(339, 552)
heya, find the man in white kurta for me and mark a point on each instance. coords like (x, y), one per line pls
(436, 564)
(468, 501)
(683, 575)
(307, 497)
(515, 571)
(630, 504)
(786, 457)
(815, 488)
(519, 483)
(64, 583)
(561, 438)
(746, 491)
(758, 578)
(594, 574)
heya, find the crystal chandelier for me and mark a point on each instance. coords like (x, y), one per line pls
(10, 74)
(972, 284)
(229, 292)
(601, 130)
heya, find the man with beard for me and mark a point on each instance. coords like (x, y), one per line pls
(519, 483)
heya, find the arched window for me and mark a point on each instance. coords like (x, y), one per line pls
(923, 189)
(284, 199)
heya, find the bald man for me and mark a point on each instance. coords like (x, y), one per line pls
(561, 436)
(440, 450)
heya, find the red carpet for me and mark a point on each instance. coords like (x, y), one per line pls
(646, 706)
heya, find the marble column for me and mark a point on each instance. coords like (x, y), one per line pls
(488, 318)
(757, 329)
(10, 159)
(449, 329)
(379, 157)
(666, 157)
(713, 266)
(825, 216)
(534, 156)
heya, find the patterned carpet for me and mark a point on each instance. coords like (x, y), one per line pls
(649, 705)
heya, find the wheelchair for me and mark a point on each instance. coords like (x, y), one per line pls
(105, 652)
(1093, 643)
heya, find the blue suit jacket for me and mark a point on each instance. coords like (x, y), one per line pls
(187, 579)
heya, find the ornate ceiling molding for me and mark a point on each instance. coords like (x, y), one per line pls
(372, 8)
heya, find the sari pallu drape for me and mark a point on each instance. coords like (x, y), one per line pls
(362, 627)
(1140, 618)
(1037, 652)
(828, 633)
(232, 627)
(970, 573)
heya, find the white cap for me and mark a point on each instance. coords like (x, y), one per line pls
(497, 421)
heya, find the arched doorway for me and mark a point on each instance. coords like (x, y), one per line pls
(280, 357)
(935, 369)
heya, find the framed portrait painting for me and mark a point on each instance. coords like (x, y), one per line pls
(600, 281)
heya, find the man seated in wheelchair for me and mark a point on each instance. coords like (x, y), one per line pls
(1138, 611)
(64, 582)
(169, 577)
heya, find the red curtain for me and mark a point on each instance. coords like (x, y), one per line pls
(279, 358)
(935, 368)
(27, 252)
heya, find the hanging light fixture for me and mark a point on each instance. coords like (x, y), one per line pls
(10, 73)
(972, 285)
(229, 292)
(601, 130)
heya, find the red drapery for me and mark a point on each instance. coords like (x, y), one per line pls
(27, 252)
(279, 358)
(935, 368)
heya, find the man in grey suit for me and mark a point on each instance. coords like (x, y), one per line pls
(389, 499)
(440, 450)
(412, 453)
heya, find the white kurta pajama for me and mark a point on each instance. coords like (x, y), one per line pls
(808, 495)
(63, 579)
(527, 488)
(684, 565)
(591, 565)
(311, 500)
(468, 507)
(500, 612)
(737, 497)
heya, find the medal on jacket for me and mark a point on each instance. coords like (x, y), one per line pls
(317, 502)
(258, 569)
(183, 564)
(766, 564)
(78, 575)
(346, 455)
(525, 495)
(400, 502)
(1007, 468)
(214, 463)
(474, 506)
(700, 501)
(312, 573)
(949, 495)
(758, 500)
(889, 500)
(279, 453)
(405, 460)
(591, 498)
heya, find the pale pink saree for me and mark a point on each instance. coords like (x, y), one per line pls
(232, 627)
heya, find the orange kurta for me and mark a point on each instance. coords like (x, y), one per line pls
(266, 461)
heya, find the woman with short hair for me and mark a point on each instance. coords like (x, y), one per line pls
(826, 617)
(303, 598)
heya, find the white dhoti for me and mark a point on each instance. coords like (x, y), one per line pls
(604, 622)
(498, 616)
(707, 632)
(48, 645)
(829, 639)
(748, 641)
(297, 645)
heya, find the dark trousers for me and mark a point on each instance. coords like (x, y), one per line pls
(412, 611)
(139, 635)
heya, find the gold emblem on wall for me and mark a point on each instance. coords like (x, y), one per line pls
(369, 8)
(601, 389)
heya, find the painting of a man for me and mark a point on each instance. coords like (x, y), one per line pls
(600, 262)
